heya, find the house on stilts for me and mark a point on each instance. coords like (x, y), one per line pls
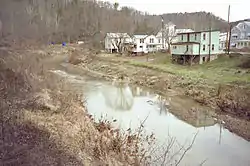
(195, 47)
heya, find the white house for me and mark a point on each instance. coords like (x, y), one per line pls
(140, 43)
(222, 41)
(152, 43)
(169, 35)
(114, 40)
(163, 35)
(240, 35)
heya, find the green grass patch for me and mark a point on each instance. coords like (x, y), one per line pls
(222, 70)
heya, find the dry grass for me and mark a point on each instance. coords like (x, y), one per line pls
(43, 125)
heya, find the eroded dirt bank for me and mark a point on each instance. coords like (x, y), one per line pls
(234, 109)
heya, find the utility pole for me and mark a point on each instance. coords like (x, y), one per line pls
(229, 32)
(162, 32)
(209, 54)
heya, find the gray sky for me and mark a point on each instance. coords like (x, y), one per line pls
(240, 9)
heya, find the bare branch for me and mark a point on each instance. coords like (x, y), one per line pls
(184, 153)
(203, 162)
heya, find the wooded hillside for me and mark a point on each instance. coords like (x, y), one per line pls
(69, 20)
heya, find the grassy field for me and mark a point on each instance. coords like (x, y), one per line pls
(222, 70)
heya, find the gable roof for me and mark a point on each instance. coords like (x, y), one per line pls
(247, 22)
(183, 30)
(243, 22)
(140, 36)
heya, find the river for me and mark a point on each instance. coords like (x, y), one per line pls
(129, 106)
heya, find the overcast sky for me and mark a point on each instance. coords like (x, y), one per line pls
(240, 9)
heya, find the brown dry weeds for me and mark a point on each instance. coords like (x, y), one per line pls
(42, 125)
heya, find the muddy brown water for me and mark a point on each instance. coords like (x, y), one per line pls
(130, 106)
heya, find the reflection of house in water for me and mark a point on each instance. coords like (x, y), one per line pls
(202, 119)
(137, 91)
(189, 111)
(118, 96)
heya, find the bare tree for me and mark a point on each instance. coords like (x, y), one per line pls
(68, 19)
(168, 35)
(118, 41)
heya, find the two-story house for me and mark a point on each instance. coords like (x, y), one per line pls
(166, 36)
(140, 45)
(240, 35)
(151, 43)
(113, 41)
(145, 43)
(195, 47)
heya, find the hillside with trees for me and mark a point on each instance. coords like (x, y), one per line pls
(70, 20)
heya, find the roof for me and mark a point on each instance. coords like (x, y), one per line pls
(185, 43)
(223, 34)
(117, 35)
(197, 32)
(183, 30)
(140, 36)
(247, 22)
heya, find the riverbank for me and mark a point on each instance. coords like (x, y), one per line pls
(232, 99)
(44, 123)
(50, 122)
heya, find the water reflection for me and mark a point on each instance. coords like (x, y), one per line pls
(213, 142)
(164, 116)
(119, 96)
(203, 119)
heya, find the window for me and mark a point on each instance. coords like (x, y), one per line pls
(204, 48)
(212, 47)
(204, 59)
(151, 40)
(181, 37)
(187, 47)
(204, 36)
(195, 36)
(141, 40)
(140, 46)
(174, 47)
(244, 26)
(235, 37)
(245, 44)
(159, 40)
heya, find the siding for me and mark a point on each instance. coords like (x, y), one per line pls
(214, 41)
(193, 49)
(184, 37)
